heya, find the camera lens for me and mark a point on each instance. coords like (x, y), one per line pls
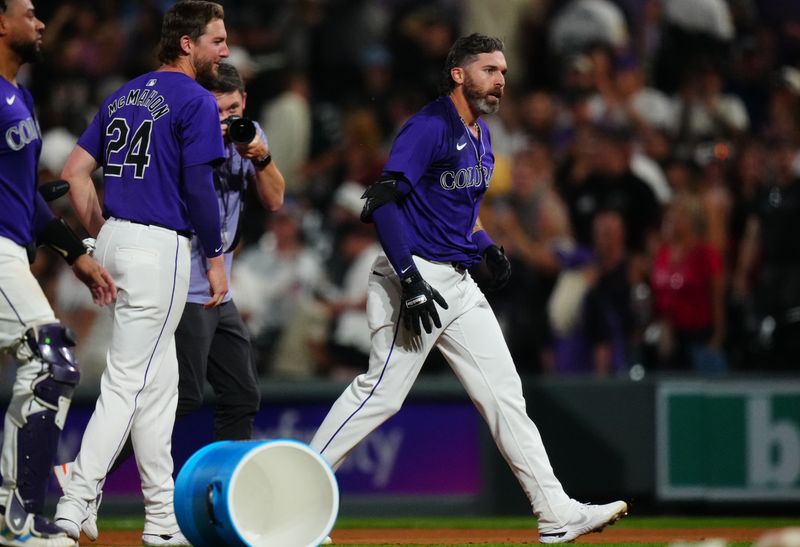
(241, 130)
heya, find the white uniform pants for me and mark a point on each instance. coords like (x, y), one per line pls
(139, 388)
(472, 343)
(22, 306)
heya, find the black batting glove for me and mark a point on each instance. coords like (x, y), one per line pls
(417, 304)
(498, 265)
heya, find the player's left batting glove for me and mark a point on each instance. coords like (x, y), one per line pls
(419, 304)
(499, 266)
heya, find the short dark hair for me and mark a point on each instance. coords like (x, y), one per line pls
(464, 51)
(186, 18)
(228, 80)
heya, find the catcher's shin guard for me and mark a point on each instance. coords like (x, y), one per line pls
(36, 413)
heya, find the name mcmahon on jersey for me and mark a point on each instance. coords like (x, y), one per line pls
(147, 98)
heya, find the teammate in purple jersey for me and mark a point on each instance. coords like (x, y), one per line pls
(157, 139)
(425, 208)
(213, 343)
(47, 371)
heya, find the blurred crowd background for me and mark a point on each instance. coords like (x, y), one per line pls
(646, 183)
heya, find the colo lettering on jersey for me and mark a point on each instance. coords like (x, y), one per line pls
(465, 178)
(146, 98)
(22, 134)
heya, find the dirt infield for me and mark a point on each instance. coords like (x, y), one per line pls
(433, 536)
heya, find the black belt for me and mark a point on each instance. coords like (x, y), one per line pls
(185, 233)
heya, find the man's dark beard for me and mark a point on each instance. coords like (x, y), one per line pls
(29, 52)
(476, 99)
(205, 73)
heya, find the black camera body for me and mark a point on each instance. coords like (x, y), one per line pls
(241, 130)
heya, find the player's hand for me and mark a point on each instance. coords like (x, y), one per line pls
(498, 265)
(217, 281)
(94, 276)
(418, 304)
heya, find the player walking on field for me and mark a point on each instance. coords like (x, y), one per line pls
(157, 139)
(425, 209)
(47, 372)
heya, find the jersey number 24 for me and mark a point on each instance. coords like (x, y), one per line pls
(135, 153)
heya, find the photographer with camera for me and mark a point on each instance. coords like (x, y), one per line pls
(213, 343)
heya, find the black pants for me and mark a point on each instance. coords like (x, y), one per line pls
(214, 345)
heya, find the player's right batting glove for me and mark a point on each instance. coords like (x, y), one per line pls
(418, 304)
(499, 266)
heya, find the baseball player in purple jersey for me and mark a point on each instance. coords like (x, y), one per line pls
(425, 209)
(157, 139)
(213, 343)
(47, 372)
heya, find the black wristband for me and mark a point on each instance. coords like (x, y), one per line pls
(263, 162)
(59, 236)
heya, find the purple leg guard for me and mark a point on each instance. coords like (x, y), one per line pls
(37, 438)
(37, 444)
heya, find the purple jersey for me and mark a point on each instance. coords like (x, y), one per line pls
(449, 171)
(231, 179)
(19, 156)
(144, 135)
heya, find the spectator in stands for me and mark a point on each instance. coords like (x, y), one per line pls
(346, 353)
(598, 337)
(533, 223)
(769, 240)
(692, 31)
(611, 184)
(287, 118)
(583, 23)
(274, 276)
(703, 111)
(688, 283)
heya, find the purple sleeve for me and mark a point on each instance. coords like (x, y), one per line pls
(42, 215)
(201, 137)
(482, 240)
(415, 147)
(201, 200)
(92, 140)
(390, 227)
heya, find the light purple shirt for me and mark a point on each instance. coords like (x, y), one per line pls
(20, 147)
(144, 135)
(449, 170)
(234, 171)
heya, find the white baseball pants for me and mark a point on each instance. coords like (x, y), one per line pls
(23, 304)
(472, 343)
(139, 388)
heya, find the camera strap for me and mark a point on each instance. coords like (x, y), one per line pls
(224, 190)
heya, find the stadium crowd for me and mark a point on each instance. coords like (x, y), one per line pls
(646, 188)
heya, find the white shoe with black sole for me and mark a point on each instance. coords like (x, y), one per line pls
(589, 518)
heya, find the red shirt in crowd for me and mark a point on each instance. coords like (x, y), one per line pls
(682, 289)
